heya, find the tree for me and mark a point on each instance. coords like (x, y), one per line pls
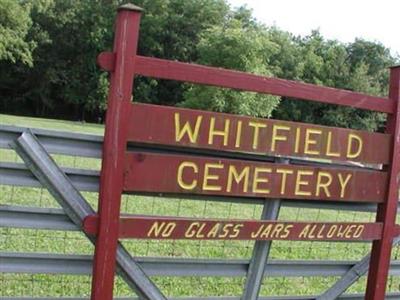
(48, 52)
(234, 46)
(360, 66)
(15, 23)
(65, 80)
(171, 30)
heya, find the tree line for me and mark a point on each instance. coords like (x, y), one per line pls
(48, 68)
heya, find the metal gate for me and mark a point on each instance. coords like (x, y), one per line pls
(153, 150)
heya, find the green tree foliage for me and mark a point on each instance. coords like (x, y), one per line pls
(48, 52)
(64, 77)
(171, 29)
(15, 23)
(360, 66)
(234, 45)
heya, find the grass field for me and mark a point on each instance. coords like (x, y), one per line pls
(41, 241)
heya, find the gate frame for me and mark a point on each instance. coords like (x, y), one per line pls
(122, 63)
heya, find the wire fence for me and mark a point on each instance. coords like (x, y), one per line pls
(34, 241)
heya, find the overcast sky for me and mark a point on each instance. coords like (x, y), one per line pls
(344, 20)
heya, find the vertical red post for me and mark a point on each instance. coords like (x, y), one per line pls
(120, 93)
(381, 249)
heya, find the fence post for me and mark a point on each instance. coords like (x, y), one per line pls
(111, 179)
(381, 249)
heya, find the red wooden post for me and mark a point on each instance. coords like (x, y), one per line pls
(121, 81)
(381, 249)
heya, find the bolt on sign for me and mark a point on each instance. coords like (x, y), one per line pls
(168, 151)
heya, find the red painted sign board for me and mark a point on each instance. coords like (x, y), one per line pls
(161, 128)
(157, 227)
(183, 174)
(160, 125)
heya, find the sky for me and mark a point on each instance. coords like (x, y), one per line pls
(343, 20)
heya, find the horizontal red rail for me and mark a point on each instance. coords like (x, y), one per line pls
(158, 227)
(174, 70)
(166, 69)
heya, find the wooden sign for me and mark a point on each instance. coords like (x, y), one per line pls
(157, 227)
(175, 174)
(152, 124)
(196, 133)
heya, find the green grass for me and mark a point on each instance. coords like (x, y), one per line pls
(43, 241)
(59, 125)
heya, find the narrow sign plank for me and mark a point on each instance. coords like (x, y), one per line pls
(175, 174)
(157, 227)
(152, 124)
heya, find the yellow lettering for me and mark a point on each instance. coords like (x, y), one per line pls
(320, 235)
(331, 232)
(350, 151)
(238, 134)
(234, 175)
(284, 173)
(257, 233)
(340, 232)
(329, 151)
(207, 176)
(286, 231)
(257, 180)
(323, 185)
(164, 229)
(256, 132)
(187, 129)
(168, 229)
(297, 142)
(182, 184)
(304, 232)
(266, 231)
(191, 231)
(343, 183)
(213, 132)
(276, 137)
(156, 229)
(359, 231)
(348, 232)
(236, 230)
(300, 182)
(214, 231)
(199, 233)
(309, 141)
(311, 233)
(277, 230)
(225, 230)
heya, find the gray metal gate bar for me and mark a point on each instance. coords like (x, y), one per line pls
(394, 296)
(75, 206)
(44, 263)
(258, 262)
(351, 276)
(35, 218)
